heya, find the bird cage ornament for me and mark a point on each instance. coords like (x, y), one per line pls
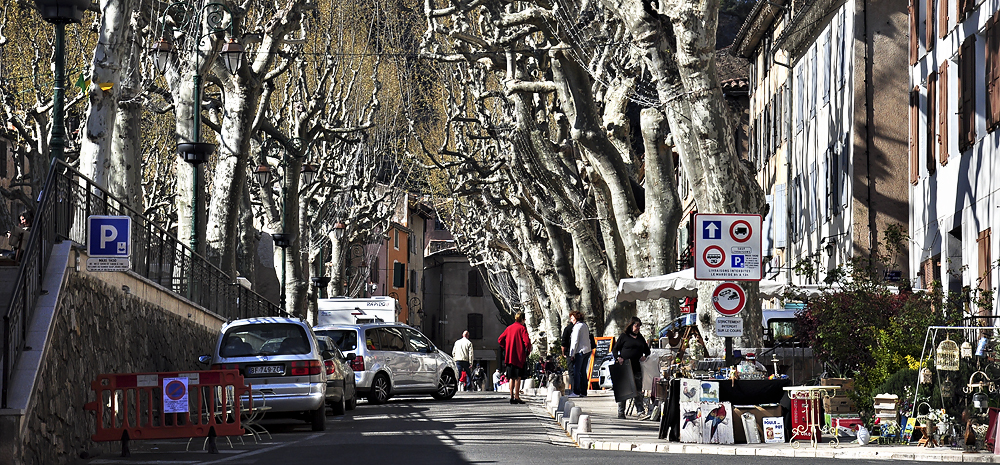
(947, 355)
(926, 376)
(966, 350)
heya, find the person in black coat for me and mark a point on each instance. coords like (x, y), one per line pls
(632, 346)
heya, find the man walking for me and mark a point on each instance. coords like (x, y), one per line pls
(463, 355)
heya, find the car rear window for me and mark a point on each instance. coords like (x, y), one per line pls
(345, 339)
(264, 339)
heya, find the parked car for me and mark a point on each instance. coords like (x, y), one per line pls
(393, 358)
(341, 391)
(281, 360)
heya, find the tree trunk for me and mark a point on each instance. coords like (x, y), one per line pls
(98, 159)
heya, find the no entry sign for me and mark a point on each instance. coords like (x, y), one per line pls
(728, 299)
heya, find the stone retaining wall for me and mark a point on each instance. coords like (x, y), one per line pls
(100, 329)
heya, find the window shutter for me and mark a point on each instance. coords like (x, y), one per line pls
(813, 205)
(398, 275)
(827, 53)
(985, 261)
(914, 135)
(780, 215)
(943, 113)
(914, 44)
(929, 23)
(967, 101)
(768, 229)
(931, 162)
(942, 18)
(993, 73)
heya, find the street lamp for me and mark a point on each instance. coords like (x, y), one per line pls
(215, 18)
(262, 174)
(338, 230)
(320, 282)
(60, 13)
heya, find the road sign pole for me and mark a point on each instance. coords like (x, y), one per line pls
(729, 352)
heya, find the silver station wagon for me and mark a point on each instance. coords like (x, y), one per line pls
(282, 362)
(393, 358)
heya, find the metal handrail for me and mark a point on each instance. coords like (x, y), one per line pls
(68, 198)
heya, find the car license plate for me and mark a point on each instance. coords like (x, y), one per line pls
(266, 370)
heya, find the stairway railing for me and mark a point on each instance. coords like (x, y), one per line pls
(67, 199)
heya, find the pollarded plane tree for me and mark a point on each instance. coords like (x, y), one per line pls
(26, 81)
(331, 114)
(587, 158)
(477, 195)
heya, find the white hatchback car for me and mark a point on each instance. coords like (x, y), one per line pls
(393, 358)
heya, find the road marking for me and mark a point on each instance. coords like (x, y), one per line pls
(266, 449)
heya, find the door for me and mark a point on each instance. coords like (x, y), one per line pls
(396, 358)
(425, 359)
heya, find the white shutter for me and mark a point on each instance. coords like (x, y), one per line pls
(768, 239)
(779, 215)
(813, 205)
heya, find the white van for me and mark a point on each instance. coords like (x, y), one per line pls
(352, 311)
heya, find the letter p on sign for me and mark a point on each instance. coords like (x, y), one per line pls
(109, 236)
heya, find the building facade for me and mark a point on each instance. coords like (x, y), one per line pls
(954, 113)
(828, 140)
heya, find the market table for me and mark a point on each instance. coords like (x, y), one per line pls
(738, 392)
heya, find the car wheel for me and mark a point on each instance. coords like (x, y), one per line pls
(447, 386)
(339, 406)
(381, 389)
(318, 418)
(352, 403)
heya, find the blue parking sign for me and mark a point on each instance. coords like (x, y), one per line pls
(739, 261)
(109, 236)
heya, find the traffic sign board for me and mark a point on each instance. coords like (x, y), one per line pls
(109, 236)
(729, 298)
(175, 395)
(728, 247)
(729, 326)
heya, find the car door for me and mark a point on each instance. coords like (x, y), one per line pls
(396, 358)
(425, 359)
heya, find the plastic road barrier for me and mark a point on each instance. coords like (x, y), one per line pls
(191, 405)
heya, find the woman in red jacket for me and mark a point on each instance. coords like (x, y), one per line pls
(516, 347)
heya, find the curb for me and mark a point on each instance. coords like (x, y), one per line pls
(588, 440)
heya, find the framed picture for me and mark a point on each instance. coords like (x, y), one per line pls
(774, 430)
(690, 424)
(717, 423)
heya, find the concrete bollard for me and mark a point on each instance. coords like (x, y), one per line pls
(583, 425)
(574, 415)
(562, 403)
(554, 397)
(568, 408)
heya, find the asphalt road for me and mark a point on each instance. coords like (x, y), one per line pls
(472, 428)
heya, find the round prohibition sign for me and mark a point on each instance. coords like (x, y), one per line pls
(174, 390)
(740, 231)
(714, 256)
(728, 299)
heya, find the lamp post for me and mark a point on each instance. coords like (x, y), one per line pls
(214, 18)
(60, 13)
(308, 172)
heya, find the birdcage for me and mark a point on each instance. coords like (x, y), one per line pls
(926, 376)
(947, 355)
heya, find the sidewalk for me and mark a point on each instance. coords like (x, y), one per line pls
(610, 433)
